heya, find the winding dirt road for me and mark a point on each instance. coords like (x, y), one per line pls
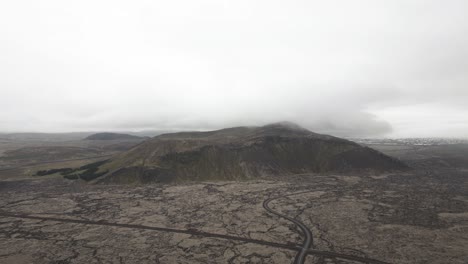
(308, 240)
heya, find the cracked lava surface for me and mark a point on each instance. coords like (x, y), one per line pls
(393, 219)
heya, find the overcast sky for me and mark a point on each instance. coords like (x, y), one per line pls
(358, 68)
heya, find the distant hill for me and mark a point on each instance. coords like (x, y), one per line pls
(242, 153)
(48, 137)
(112, 136)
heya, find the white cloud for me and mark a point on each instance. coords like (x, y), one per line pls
(340, 67)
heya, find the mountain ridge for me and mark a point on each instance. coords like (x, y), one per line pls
(242, 153)
(112, 136)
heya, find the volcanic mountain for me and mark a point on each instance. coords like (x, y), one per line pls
(242, 153)
(112, 136)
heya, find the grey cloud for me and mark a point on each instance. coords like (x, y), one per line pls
(356, 68)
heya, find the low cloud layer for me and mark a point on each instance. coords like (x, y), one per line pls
(348, 68)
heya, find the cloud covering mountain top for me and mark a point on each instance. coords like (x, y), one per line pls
(354, 68)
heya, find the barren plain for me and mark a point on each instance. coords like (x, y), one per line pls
(415, 217)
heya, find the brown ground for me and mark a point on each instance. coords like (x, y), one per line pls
(417, 217)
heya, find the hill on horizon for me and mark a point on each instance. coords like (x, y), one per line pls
(241, 153)
(112, 136)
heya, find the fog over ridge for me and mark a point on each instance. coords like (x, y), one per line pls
(377, 68)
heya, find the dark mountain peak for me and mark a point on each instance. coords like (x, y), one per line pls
(112, 136)
(284, 129)
(242, 153)
(285, 125)
(280, 129)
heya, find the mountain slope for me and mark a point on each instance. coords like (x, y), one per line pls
(242, 153)
(112, 136)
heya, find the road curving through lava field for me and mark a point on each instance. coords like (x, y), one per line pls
(308, 239)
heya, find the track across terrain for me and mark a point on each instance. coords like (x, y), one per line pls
(327, 254)
(308, 240)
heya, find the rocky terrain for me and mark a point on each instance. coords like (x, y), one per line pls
(393, 218)
(410, 216)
